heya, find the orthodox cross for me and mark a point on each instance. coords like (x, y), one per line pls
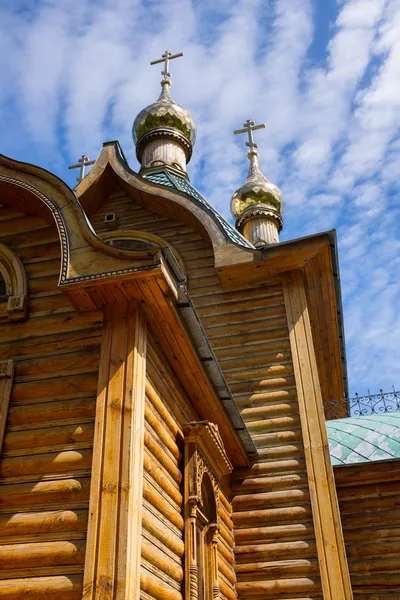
(249, 127)
(81, 164)
(165, 58)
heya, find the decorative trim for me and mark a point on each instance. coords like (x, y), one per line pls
(16, 283)
(259, 211)
(7, 369)
(56, 213)
(204, 453)
(165, 132)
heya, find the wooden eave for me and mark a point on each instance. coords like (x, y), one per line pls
(111, 171)
(156, 288)
(316, 257)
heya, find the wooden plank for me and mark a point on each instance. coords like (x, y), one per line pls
(7, 369)
(328, 531)
(113, 550)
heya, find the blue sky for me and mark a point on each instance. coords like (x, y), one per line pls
(324, 75)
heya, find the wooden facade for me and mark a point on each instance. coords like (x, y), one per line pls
(103, 381)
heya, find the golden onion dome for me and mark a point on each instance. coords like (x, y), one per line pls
(164, 118)
(257, 196)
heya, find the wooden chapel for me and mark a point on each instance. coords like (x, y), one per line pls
(162, 380)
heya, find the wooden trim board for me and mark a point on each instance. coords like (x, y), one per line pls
(335, 576)
(112, 564)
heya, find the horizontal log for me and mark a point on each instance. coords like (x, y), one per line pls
(276, 569)
(279, 550)
(80, 359)
(268, 411)
(44, 492)
(369, 491)
(229, 306)
(372, 566)
(50, 325)
(60, 587)
(279, 587)
(162, 561)
(159, 476)
(265, 425)
(43, 522)
(158, 451)
(260, 517)
(248, 337)
(265, 399)
(42, 554)
(263, 384)
(232, 319)
(51, 462)
(86, 337)
(276, 439)
(163, 533)
(283, 451)
(227, 571)
(43, 412)
(163, 506)
(373, 548)
(266, 483)
(227, 590)
(374, 518)
(274, 533)
(226, 552)
(47, 436)
(250, 501)
(259, 372)
(262, 352)
(56, 386)
(268, 466)
(163, 433)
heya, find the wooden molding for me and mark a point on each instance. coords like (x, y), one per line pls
(112, 564)
(204, 454)
(334, 570)
(7, 368)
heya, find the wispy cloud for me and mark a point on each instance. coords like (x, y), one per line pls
(75, 74)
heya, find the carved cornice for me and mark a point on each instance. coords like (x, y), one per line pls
(207, 439)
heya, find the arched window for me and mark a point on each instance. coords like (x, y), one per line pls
(206, 529)
(3, 286)
(205, 463)
(13, 285)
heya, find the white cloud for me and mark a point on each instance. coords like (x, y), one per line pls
(75, 74)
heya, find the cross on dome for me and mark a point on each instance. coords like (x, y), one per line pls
(249, 127)
(165, 58)
(83, 162)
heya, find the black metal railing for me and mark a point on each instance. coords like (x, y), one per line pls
(372, 404)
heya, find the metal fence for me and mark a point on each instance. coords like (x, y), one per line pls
(373, 404)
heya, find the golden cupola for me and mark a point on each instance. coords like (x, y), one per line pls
(164, 132)
(257, 206)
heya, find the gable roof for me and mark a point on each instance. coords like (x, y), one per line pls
(364, 439)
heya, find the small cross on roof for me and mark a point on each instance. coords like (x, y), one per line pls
(249, 127)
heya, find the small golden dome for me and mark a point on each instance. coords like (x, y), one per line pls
(257, 196)
(165, 117)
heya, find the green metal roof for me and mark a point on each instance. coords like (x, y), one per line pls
(364, 439)
(181, 184)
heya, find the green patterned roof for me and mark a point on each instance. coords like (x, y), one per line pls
(180, 183)
(364, 439)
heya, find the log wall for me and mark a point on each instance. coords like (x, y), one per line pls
(47, 452)
(167, 409)
(275, 548)
(369, 500)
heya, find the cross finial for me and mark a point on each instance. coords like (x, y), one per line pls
(83, 162)
(249, 127)
(165, 58)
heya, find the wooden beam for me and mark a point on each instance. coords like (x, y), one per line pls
(112, 565)
(328, 530)
(7, 368)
